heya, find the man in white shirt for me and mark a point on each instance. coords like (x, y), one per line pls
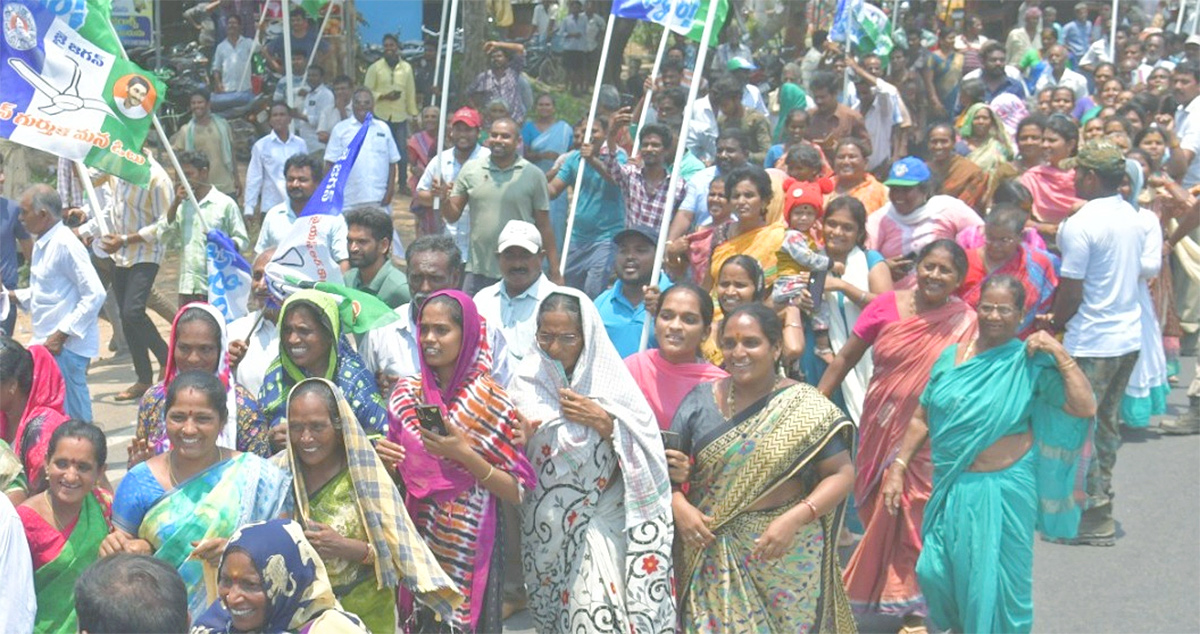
(1154, 49)
(1097, 303)
(545, 19)
(343, 90)
(439, 175)
(883, 113)
(1059, 75)
(1184, 162)
(254, 338)
(16, 566)
(303, 174)
(740, 68)
(229, 65)
(392, 351)
(64, 295)
(372, 180)
(511, 304)
(313, 99)
(265, 186)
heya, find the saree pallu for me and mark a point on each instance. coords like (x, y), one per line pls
(880, 576)
(1053, 192)
(54, 582)
(353, 583)
(213, 503)
(1146, 393)
(557, 138)
(722, 588)
(870, 192)
(976, 568)
(664, 384)
(963, 180)
(1034, 268)
(585, 572)
(12, 474)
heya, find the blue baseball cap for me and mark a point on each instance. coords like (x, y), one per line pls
(909, 171)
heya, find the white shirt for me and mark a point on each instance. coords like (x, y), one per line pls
(1070, 79)
(16, 566)
(595, 31)
(1187, 129)
(1102, 245)
(261, 349)
(516, 317)
(884, 115)
(1145, 68)
(542, 19)
(278, 222)
(64, 293)
(1097, 53)
(266, 185)
(367, 182)
(231, 61)
(315, 104)
(393, 349)
(752, 98)
(702, 132)
(445, 163)
(574, 28)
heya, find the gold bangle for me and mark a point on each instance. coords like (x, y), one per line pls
(812, 507)
(1062, 367)
(369, 558)
(794, 325)
(902, 462)
(491, 470)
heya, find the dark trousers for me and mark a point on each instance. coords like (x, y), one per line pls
(132, 287)
(400, 133)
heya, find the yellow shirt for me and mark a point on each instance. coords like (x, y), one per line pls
(382, 79)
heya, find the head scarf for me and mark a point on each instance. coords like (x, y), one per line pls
(294, 580)
(1010, 109)
(471, 336)
(228, 435)
(998, 132)
(599, 374)
(401, 555)
(326, 309)
(1133, 170)
(791, 97)
(43, 414)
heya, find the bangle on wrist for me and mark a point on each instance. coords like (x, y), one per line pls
(491, 470)
(368, 558)
(900, 461)
(812, 507)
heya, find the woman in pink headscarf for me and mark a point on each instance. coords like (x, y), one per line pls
(31, 404)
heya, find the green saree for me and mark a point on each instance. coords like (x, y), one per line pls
(55, 581)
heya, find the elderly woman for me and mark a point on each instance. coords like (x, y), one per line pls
(1052, 184)
(984, 141)
(914, 218)
(759, 522)
(311, 344)
(271, 579)
(683, 319)
(198, 342)
(183, 504)
(33, 391)
(1005, 253)
(906, 331)
(1006, 421)
(355, 519)
(851, 177)
(959, 177)
(66, 523)
(452, 433)
(596, 534)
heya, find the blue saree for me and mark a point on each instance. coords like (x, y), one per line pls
(976, 566)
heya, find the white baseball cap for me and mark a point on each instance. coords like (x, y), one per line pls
(518, 233)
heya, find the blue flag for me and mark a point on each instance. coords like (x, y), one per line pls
(685, 17)
(863, 27)
(228, 276)
(330, 196)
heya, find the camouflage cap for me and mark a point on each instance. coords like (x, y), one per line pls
(1100, 155)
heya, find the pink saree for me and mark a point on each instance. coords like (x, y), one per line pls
(881, 575)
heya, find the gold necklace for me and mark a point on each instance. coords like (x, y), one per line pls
(58, 525)
(171, 466)
(731, 397)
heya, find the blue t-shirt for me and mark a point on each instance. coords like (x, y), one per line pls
(600, 213)
(623, 321)
(11, 230)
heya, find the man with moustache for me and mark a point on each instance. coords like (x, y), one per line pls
(369, 241)
(623, 306)
(391, 351)
(510, 305)
(442, 170)
(303, 173)
(254, 338)
(265, 187)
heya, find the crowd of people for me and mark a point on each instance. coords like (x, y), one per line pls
(907, 304)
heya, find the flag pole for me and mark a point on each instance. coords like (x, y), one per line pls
(287, 54)
(312, 55)
(441, 137)
(680, 147)
(262, 17)
(1179, 18)
(437, 65)
(1195, 17)
(93, 202)
(587, 138)
(646, 101)
(1112, 32)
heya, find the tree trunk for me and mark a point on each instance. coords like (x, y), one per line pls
(475, 33)
(622, 31)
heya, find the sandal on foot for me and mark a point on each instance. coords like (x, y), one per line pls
(132, 393)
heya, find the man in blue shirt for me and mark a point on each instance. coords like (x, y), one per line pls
(623, 307)
(12, 234)
(1077, 36)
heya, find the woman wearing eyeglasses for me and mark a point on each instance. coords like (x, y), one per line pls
(1005, 253)
(1006, 421)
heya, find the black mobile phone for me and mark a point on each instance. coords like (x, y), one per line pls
(816, 288)
(627, 100)
(430, 418)
(911, 256)
(672, 440)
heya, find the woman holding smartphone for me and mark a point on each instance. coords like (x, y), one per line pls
(596, 534)
(454, 478)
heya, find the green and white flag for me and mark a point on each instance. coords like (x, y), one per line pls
(67, 89)
(685, 17)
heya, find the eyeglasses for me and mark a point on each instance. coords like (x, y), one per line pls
(1003, 311)
(548, 338)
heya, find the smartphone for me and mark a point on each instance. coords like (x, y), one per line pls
(627, 100)
(816, 288)
(430, 418)
(911, 256)
(672, 440)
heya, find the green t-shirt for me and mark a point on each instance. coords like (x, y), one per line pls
(496, 196)
(390, 284)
